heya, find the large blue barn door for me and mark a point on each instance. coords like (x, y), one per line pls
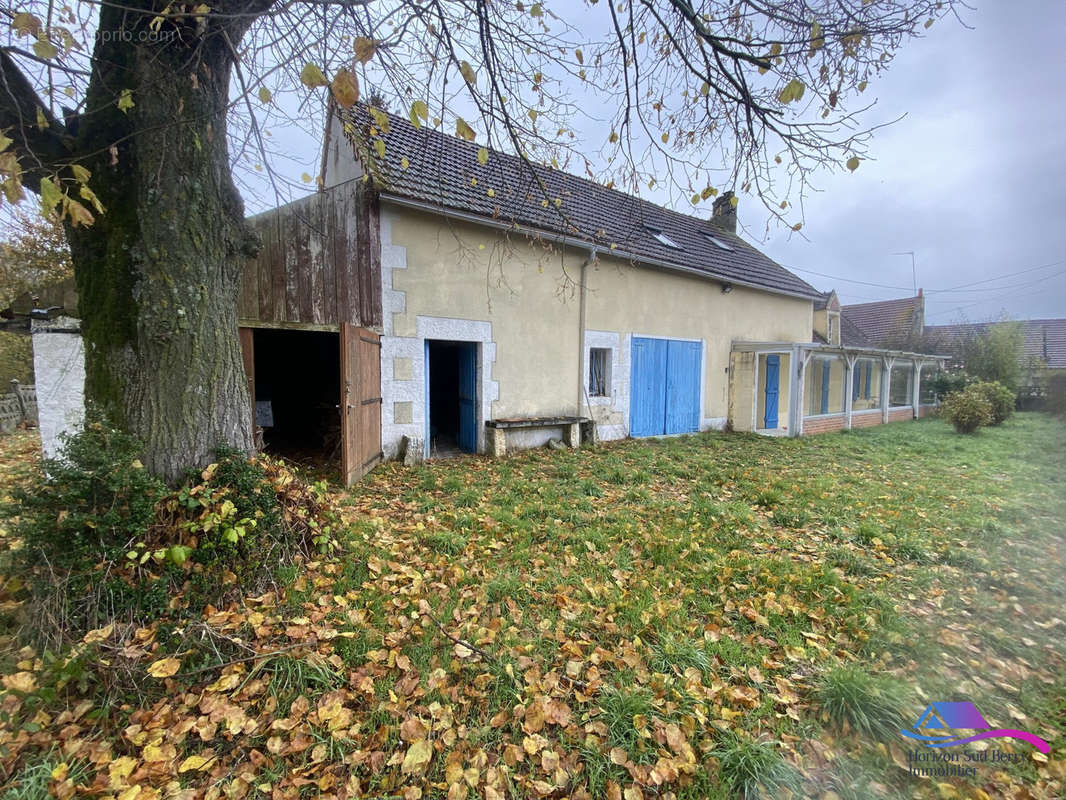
(647, 406)
(665, 387)
(468, 397)
(773, 373)
(683, 387)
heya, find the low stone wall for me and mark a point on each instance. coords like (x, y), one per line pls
(823, 424)
(18, 406)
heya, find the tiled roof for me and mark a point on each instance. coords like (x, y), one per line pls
(444, 171)
(886, 320)
(851, 335)
(827, 301)
(1045, 339)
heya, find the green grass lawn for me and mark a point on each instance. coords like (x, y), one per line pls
(706, 616)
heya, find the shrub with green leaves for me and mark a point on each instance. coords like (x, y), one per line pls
(999, 397)
(942, 383)
(104, 540)
(93, 504)
(967, 410)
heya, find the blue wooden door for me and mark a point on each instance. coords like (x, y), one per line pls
(468, 397)
(647, 405)
(773, 374)
(682, 387)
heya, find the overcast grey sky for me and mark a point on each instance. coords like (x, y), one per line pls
(971, 180)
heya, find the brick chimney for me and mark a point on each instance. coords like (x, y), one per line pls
(724, 213)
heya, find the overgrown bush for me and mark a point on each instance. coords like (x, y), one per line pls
(943, 383)
(103, 540)
(1056, 395)
(967, 409)
(999, 397)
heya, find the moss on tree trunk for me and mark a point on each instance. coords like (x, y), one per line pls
(158, 274)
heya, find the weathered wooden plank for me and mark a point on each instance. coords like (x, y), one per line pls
(296, 257)
(320, 261)
(264, 308)
(309, 244)
(331, 216)
(372, 268)
(277, 271)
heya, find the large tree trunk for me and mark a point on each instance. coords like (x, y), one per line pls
(158, 274)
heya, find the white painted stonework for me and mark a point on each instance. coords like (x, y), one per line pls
(611, 413)
(59, 375)
(406, 392)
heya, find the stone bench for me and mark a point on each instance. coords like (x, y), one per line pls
(496, 438)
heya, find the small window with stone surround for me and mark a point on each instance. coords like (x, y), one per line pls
(599, 372)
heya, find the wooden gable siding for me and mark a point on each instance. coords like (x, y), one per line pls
(319, 263)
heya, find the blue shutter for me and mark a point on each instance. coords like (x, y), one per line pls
(825, 387)
(856, 372)
(682, 387)
(647, 404)
(468, 398)
(773, 372)
(869, 371)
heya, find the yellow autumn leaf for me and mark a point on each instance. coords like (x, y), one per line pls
(264, 94)
(44, 49)
(164, 667)
(793, 91)
(198, 763)
(311, 76)
(464, 131)
(817, 39)
(483, 156)
(25, 24)
(99, 634)
(853, 163)
(419, 112)
(468, 72)
(381, 119)
(125, 100)
(119, 769)
(20, 682)
(364, 49)
(417, 758)
(345, 88)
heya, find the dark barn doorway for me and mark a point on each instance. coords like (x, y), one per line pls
(452, 388)
(297, 394)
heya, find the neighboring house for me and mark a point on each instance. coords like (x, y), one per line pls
(451, 305)
(1043, 352)
(890, 323)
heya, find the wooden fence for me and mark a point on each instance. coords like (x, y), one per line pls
(17, 406)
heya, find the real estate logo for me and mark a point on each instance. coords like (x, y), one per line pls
(950, 718)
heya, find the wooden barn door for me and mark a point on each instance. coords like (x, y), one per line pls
(360, 401)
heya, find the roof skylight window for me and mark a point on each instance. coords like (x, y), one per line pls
(662, 238)
(718, 242)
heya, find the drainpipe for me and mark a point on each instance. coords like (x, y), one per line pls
(581, 365)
